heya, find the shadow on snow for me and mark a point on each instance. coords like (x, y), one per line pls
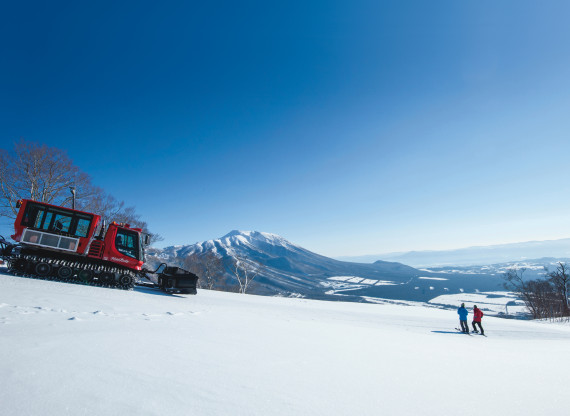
(158, 292)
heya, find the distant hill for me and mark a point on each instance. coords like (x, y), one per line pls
(290, 270)
(533, 268)
(480, 255)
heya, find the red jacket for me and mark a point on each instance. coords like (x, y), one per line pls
(477, 314)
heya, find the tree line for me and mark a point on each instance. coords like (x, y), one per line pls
(544, 298)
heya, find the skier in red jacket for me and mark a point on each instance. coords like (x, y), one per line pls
(477, 315)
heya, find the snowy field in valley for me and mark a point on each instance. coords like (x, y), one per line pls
(491, 303)
(77, 350)
(362, 281)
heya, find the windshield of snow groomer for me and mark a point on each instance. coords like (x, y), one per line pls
(127, 243)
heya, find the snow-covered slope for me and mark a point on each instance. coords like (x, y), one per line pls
(78, 350)
(291, 269)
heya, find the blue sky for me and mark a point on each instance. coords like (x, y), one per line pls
(346, 127)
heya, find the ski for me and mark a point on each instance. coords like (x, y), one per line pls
(469, 333)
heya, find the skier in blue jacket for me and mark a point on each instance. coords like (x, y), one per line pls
(462, 312)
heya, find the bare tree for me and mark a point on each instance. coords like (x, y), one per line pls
(515, 282)
(46, 174)
(541, 297)
(193, 264)
(214, 269)
(245, 270)
(41, 173)
(112, 209)
(560, 278)
(544, 298)
(208, 267)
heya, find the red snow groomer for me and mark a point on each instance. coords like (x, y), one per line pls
(70, 245)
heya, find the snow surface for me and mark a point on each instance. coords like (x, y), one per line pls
(362, 281)
(432, 278)
(78, 350)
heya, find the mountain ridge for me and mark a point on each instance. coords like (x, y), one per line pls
(291, 270)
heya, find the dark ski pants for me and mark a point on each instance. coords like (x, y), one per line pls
(464, 326)
(480, 327)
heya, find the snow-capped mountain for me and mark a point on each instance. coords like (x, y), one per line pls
(289, 269)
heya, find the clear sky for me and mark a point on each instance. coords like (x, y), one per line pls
(348, 127)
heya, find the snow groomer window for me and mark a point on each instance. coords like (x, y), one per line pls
(126, 243)
(57, 221)
(62, 223)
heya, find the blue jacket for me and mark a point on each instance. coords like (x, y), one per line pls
(462, 314)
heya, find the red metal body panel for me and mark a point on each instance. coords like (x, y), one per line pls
(113, 248)
(112, 254)
(96, 249)
(19, 227)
